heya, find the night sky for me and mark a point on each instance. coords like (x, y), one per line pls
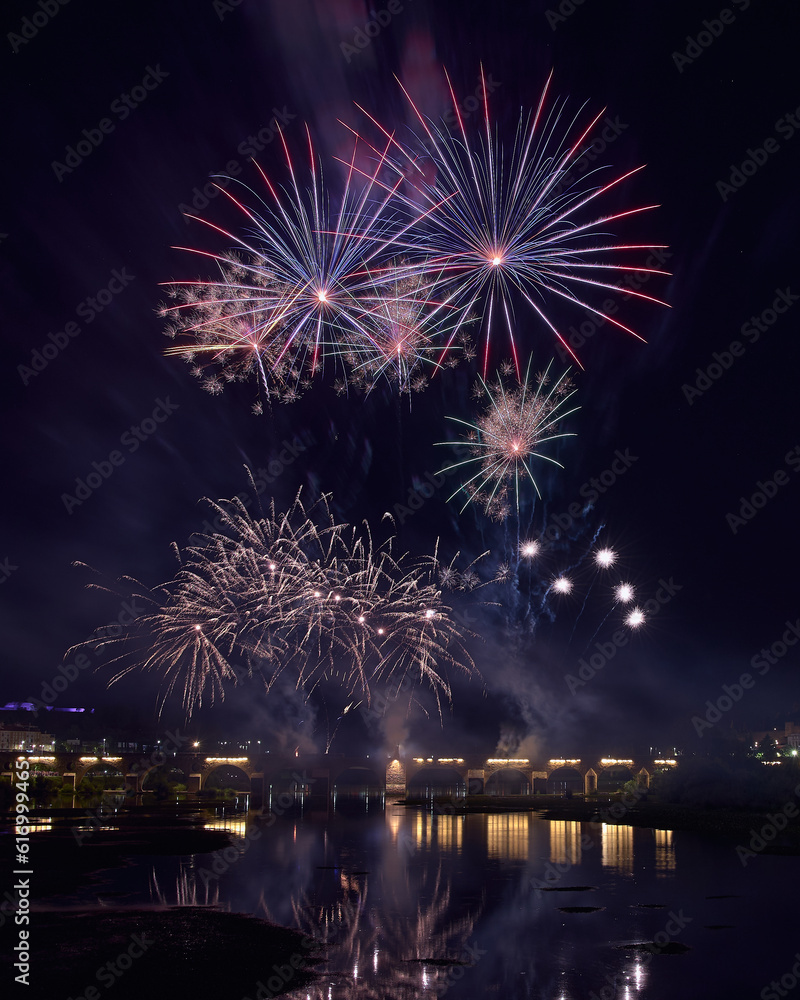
(215, 73)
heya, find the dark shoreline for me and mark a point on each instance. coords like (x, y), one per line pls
(154, 950)
(162, 952)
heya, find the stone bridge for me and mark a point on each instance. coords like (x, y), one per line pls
(267, 773)
(496, 774)
(271, 773)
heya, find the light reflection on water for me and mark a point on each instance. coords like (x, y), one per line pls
(507, 835)
(617, 846)
(415, 904)
(565, 842)
(665, 851)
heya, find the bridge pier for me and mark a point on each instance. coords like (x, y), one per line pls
(134, 783)
(590, 782)
(396, 776)
(257, 790)
(195, 783)
(69, 779)
(476, 780)
(643, 778)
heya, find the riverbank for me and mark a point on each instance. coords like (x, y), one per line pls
(83, 938)
(161, 952)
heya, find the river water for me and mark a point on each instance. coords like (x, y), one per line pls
(418, 904)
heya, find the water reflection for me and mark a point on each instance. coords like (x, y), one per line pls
(41, 824)
(407, 942)
(442, 831)
(183, 890)
(565, 842)
(507, 835)
(617, 846)
(665, 852)
(236, 825)
(410, 904)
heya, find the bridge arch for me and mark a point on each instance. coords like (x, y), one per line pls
(359, 778)
(508, 781)
(170, 771)
(436, 779)
(613, 776)
(561, 780)
(242, 773)
(111, 772)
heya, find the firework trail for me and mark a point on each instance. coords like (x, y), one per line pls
(517, 419)
(297, 592)
(501, 223)
(603, 558)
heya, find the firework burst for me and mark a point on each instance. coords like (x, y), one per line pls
(506, 222)
(299, 592)
(298, 288)
(517, 420)
(407, 330)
